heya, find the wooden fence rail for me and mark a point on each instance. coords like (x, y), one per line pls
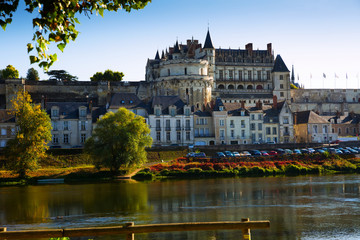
(130, 229)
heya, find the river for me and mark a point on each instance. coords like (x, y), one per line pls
(304, 207)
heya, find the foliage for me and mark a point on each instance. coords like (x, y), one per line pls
(32, 75)
(9, 72)
(108, 75)
(34, 132)
(61, 76)
(119, 139)
(56, 21)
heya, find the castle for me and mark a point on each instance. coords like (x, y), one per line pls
(197, 94)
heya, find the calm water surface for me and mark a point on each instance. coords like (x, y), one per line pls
(316, 207)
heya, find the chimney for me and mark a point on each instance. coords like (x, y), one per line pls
(274, 102)
(295, 118)
(269, 50)
(188, 42)
(260, 104)
(242, 104)
(249, 48)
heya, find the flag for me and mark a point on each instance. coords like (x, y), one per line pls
(346, 76)
(298, 77)
(310, 75)
(324, 76)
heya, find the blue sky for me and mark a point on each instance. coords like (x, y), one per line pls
(316, 36)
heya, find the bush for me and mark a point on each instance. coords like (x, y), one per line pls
(143, 175)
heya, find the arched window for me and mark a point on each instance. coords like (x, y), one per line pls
(259, 87)
(221, 86)
(249, 87)
(231, 86)
(240, 87)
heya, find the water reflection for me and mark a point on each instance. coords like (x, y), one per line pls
(325, 207)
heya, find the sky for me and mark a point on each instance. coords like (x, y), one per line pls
(319, 37)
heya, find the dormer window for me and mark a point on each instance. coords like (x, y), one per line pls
(82, 112)
(157, 111)
(130, 101)
(55, 112)
(187, 111)
(122, 101)
(242, 113)
(221, 108)
(172, 112)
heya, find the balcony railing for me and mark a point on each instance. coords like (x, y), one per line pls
(158, 128)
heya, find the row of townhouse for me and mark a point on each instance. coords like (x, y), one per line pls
(173, 122)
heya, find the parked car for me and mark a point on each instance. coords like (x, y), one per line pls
(236, 154)
(271, 142)
(246, 154)
(319, 151)
(297, 151)
(228, 154)
(219, 155)
(280, 151)
(255, 152)
(200, 154)
(305, 151)
(311, 150)
(190, 154)
(273, 153)
(288, 151)
(264, 153)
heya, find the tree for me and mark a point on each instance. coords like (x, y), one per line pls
(9, 72)
(119, 139)
(32, 75)
(108, 75)
(55, 21)
(34, 132)
(61, 76)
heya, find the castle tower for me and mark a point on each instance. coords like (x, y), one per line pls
(281, 80)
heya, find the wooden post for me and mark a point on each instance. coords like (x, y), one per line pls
(246, 232)
(130, 236)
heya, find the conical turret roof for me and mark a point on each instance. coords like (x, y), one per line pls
(208, 42)
(157, 57)
(279, 65)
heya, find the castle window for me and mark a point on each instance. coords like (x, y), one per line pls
(240, 87)
(231, 86)
(231, 74)
(249, 87)
(281, 94)
(201, 71)
(281, 77)
(185, 71)
(168, 72)
(268, 75)
(249, 75)
(281, 86)
(240, 75)
(259, 75)
(259, 87)
(221, 74)
(221, 86)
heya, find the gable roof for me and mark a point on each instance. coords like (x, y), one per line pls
(126, 100)
(308, 117)
(68, 110)
(165, 102)
(279, 65)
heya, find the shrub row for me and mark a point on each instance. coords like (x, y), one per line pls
(178, 169)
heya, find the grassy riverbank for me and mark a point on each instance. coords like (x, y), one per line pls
(74, 166)
(250, 166)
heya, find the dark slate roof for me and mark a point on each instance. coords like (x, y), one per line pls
(6, 116)
(97, 112)
(176, 48)
(237, 112)
(279, 65)
(157, 57)
(202, 113)
(67, 110)
(218, 104)
(246, 95)
(165, 102)
(208, 42)
(308, 117)
(126, 100)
